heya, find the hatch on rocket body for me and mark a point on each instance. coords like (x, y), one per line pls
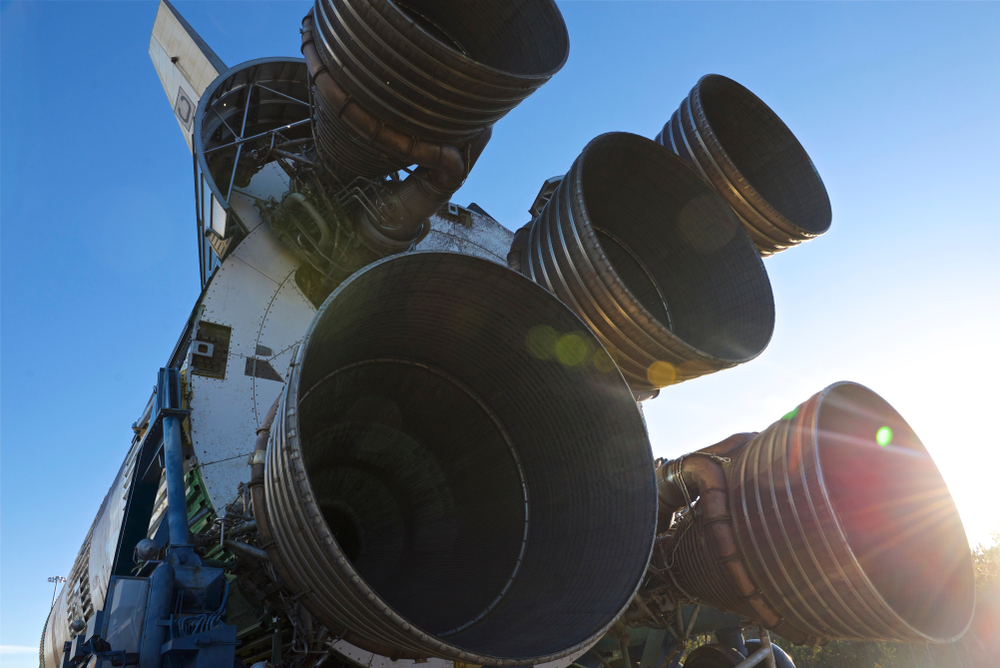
(400, 433)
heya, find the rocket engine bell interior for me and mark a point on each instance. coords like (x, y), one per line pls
(738, 144)
(652, 258)
(471, 491)
(393, 432)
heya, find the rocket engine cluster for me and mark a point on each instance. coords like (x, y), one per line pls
(450, 462)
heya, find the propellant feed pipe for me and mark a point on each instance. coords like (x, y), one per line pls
(324, 229)
(699, 475)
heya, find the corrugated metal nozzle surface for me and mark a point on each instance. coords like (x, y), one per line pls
(440, 70)
(441, 483)
(845, 525)
(739, 145)
(654, 261)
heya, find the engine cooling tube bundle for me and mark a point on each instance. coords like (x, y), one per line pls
(653, 260)
(699, 475)
(432, 487)
(380, 137)
(832, 523)
(401, 81)
(749, 155)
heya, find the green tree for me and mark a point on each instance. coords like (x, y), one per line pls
(982, 642)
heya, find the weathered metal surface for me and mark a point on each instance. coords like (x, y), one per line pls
(184, 63)
(107, 528)
(743, 149)
(364, 659)
(481, 236)
(654, 261)
(843, 523)
(55, 633)
(437, 488)
(86, 587)
(434, 71)
(254, 293)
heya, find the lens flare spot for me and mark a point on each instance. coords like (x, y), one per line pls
(571, 349)
(541, 342)
(603, 362)
(661, 373)
(790, 415)
(883, 436)
(691, 224)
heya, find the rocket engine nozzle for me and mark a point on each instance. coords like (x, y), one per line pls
(434, 487)
(653, 260)
(833, 522)
(401, 83)
(414, 75)
(742, 148)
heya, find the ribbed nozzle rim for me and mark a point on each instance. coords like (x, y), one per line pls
(764, 152)
(653, 259)
(676, 248)
(485, 24)
(895, 512)
(502, 501)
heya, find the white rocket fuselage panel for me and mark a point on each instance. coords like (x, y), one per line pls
(482, 237)
(255, 295)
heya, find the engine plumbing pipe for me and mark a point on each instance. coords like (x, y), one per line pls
(243, 549)
(174, 465)
(442, 169)
(324, 229)
(406, 206)
(154, 634)
(758, 657)
(168, 405)
(700, 475)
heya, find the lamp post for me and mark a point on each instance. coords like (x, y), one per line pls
(56, 579)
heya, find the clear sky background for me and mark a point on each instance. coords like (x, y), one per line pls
(898, 104)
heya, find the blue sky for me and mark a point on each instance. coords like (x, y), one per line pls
(897, 104)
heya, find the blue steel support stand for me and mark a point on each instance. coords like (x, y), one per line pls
(199, 639)
(185, 604)
(168, 403)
